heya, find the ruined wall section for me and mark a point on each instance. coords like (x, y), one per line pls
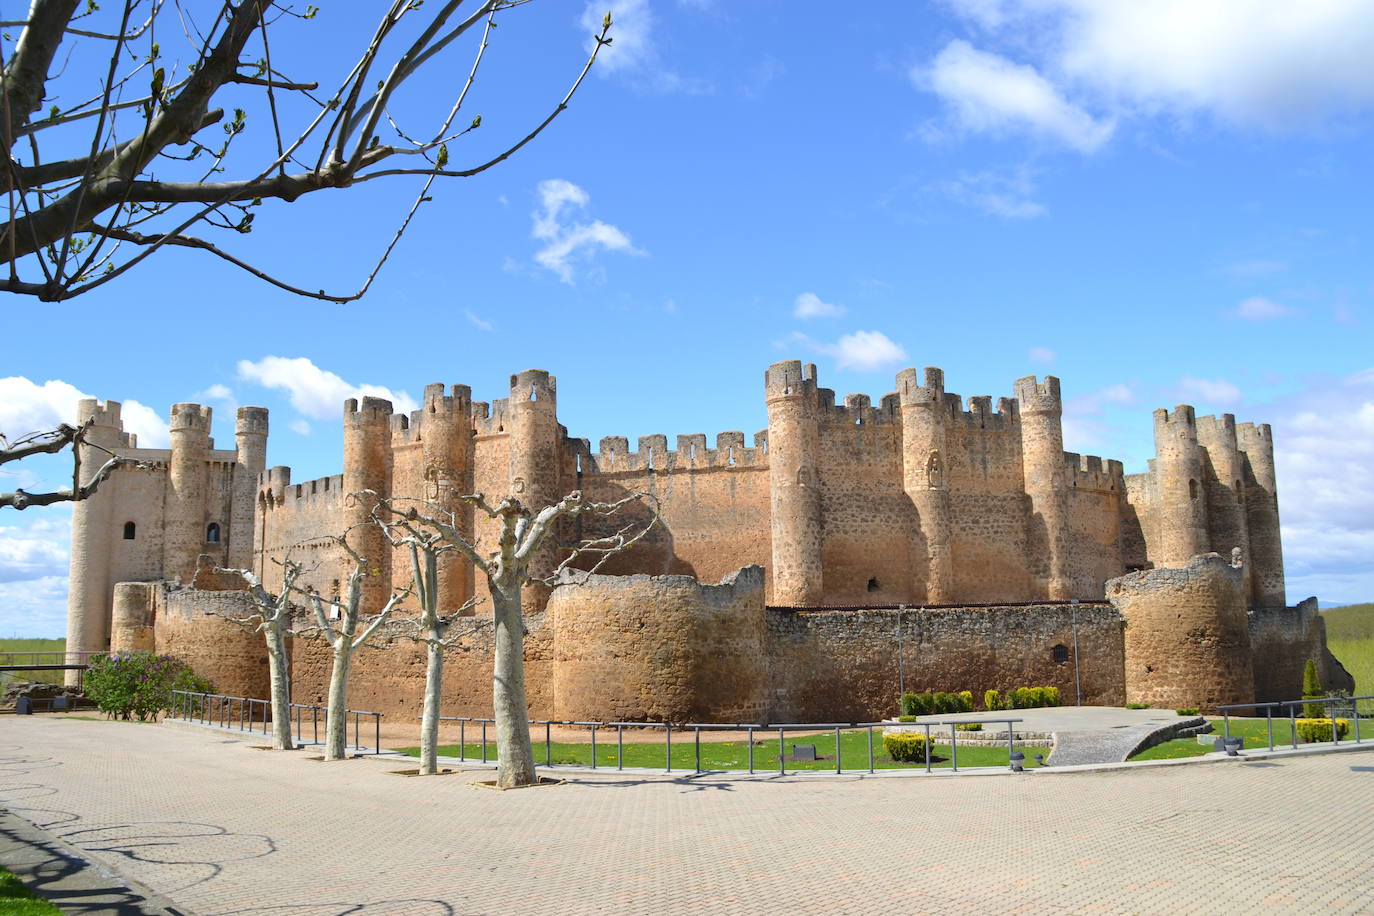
(851, 666)
(1282, 639)
(660, 648)
(1187, 635)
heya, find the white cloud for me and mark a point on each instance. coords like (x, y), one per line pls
(480, 324)
(1213, 392)
(633, 52)
(1276, 64)
(987, 93)
(1258, 308)
(216, 392)
(1323, 449)
(567, 239)
(299, 426)
(43, 607)
(1042, 355)
(26, 407)
(1085, 427)
(1006, 193)
(315, 392)
(809, 305)
(863, 350)
(40, 548)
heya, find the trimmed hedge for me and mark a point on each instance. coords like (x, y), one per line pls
(906, 747)
(936, 704)
(1313, 731)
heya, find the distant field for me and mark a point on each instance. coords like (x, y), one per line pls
(1350, 636)
(33, 645)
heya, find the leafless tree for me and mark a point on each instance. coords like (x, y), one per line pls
(106, 117)
(51, 442)
(437, 629)
(337, 620)
(522, 531)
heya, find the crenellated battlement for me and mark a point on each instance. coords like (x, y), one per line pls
(790, 379)
(1178, 425)
(372, 411)
(191, 418)
(1035, 396)
(691, 453)
(980, 414)
(491, 419)
(910, 391)
(276, 492)
(250, 421)
(106, 413)
(1090, 472)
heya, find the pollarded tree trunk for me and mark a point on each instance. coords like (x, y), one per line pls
(280, 679)
(514, 754)
(429, 718)
(336, 716)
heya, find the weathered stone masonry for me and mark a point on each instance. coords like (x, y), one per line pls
(921, 499)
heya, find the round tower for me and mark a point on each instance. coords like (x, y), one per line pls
(1225, 489)
(793, 446)
(535, 457)
(1182, 506)
(250, 438)
(1262, 514)
(924, 457)
(184, 513)
(367, 466)
(447, 440)
(1187, 635)
(93, 531)
(1042, 465)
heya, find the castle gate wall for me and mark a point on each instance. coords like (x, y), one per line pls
(660, 648)
(852, 665)
(296, 518)
(988, 506)
(188, 625)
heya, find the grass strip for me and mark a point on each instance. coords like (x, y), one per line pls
(18, 900)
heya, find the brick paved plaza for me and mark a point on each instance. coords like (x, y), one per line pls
(219, 827)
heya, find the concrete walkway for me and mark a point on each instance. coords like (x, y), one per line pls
(219, 827)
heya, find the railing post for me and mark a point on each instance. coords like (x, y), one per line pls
(927, 728)
(1293, 723)
(668, 742)
(377, 722)
(954, 747)
(593, 746)
(870, 748)
(619, 747)
(838, 769)
(1269, 721)
(462, 739)
(750, 735)
(484, 740)
(1011, 746)
(782, 754)
(697, 742)
(548, 744)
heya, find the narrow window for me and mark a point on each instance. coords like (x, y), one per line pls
(1061, 654)
(129, 531)
(872, 585)
(212, 533)
(1192, 489)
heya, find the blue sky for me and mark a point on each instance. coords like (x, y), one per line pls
(1159, 202)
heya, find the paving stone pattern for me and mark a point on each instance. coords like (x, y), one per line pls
(219, 828)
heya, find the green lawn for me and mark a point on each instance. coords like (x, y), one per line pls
(34, 645)
(1350, 637)
(734, 755)
(18, 900)
(1255, 733)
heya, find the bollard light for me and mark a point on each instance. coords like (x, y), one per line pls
(1233, 746)
(1018, 761)
(1039, 760)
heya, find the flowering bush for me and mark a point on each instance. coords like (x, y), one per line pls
(129, 684)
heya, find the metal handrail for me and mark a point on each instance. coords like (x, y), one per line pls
(1353, 702)
(193, 706)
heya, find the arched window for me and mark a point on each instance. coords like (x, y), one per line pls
(212, 533)
(129, 530)
(1060, 654)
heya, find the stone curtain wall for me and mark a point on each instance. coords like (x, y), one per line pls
(1282, 640)
(187, 625)
(844, 665)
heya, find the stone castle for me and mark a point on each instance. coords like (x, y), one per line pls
(920, 543)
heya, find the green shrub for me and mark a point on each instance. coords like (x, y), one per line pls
(965, 700)
(906, 718)
(969, 726)
(992, 700)
(1312, 690)
(1187, 711)
(1312, 730)
(906, 747)
(139, 684)
(1137, 705)
(1052, 697)
(915, 704)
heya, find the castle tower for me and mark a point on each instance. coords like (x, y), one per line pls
(534, 461)
(1042, 464)
(793, 447)
(367, 466)
(1224, 483)
(184, 515)
(1178, 474)
(447, 440)
(924, 457)
(93, 530)
(250, 437)
(1262, 514)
